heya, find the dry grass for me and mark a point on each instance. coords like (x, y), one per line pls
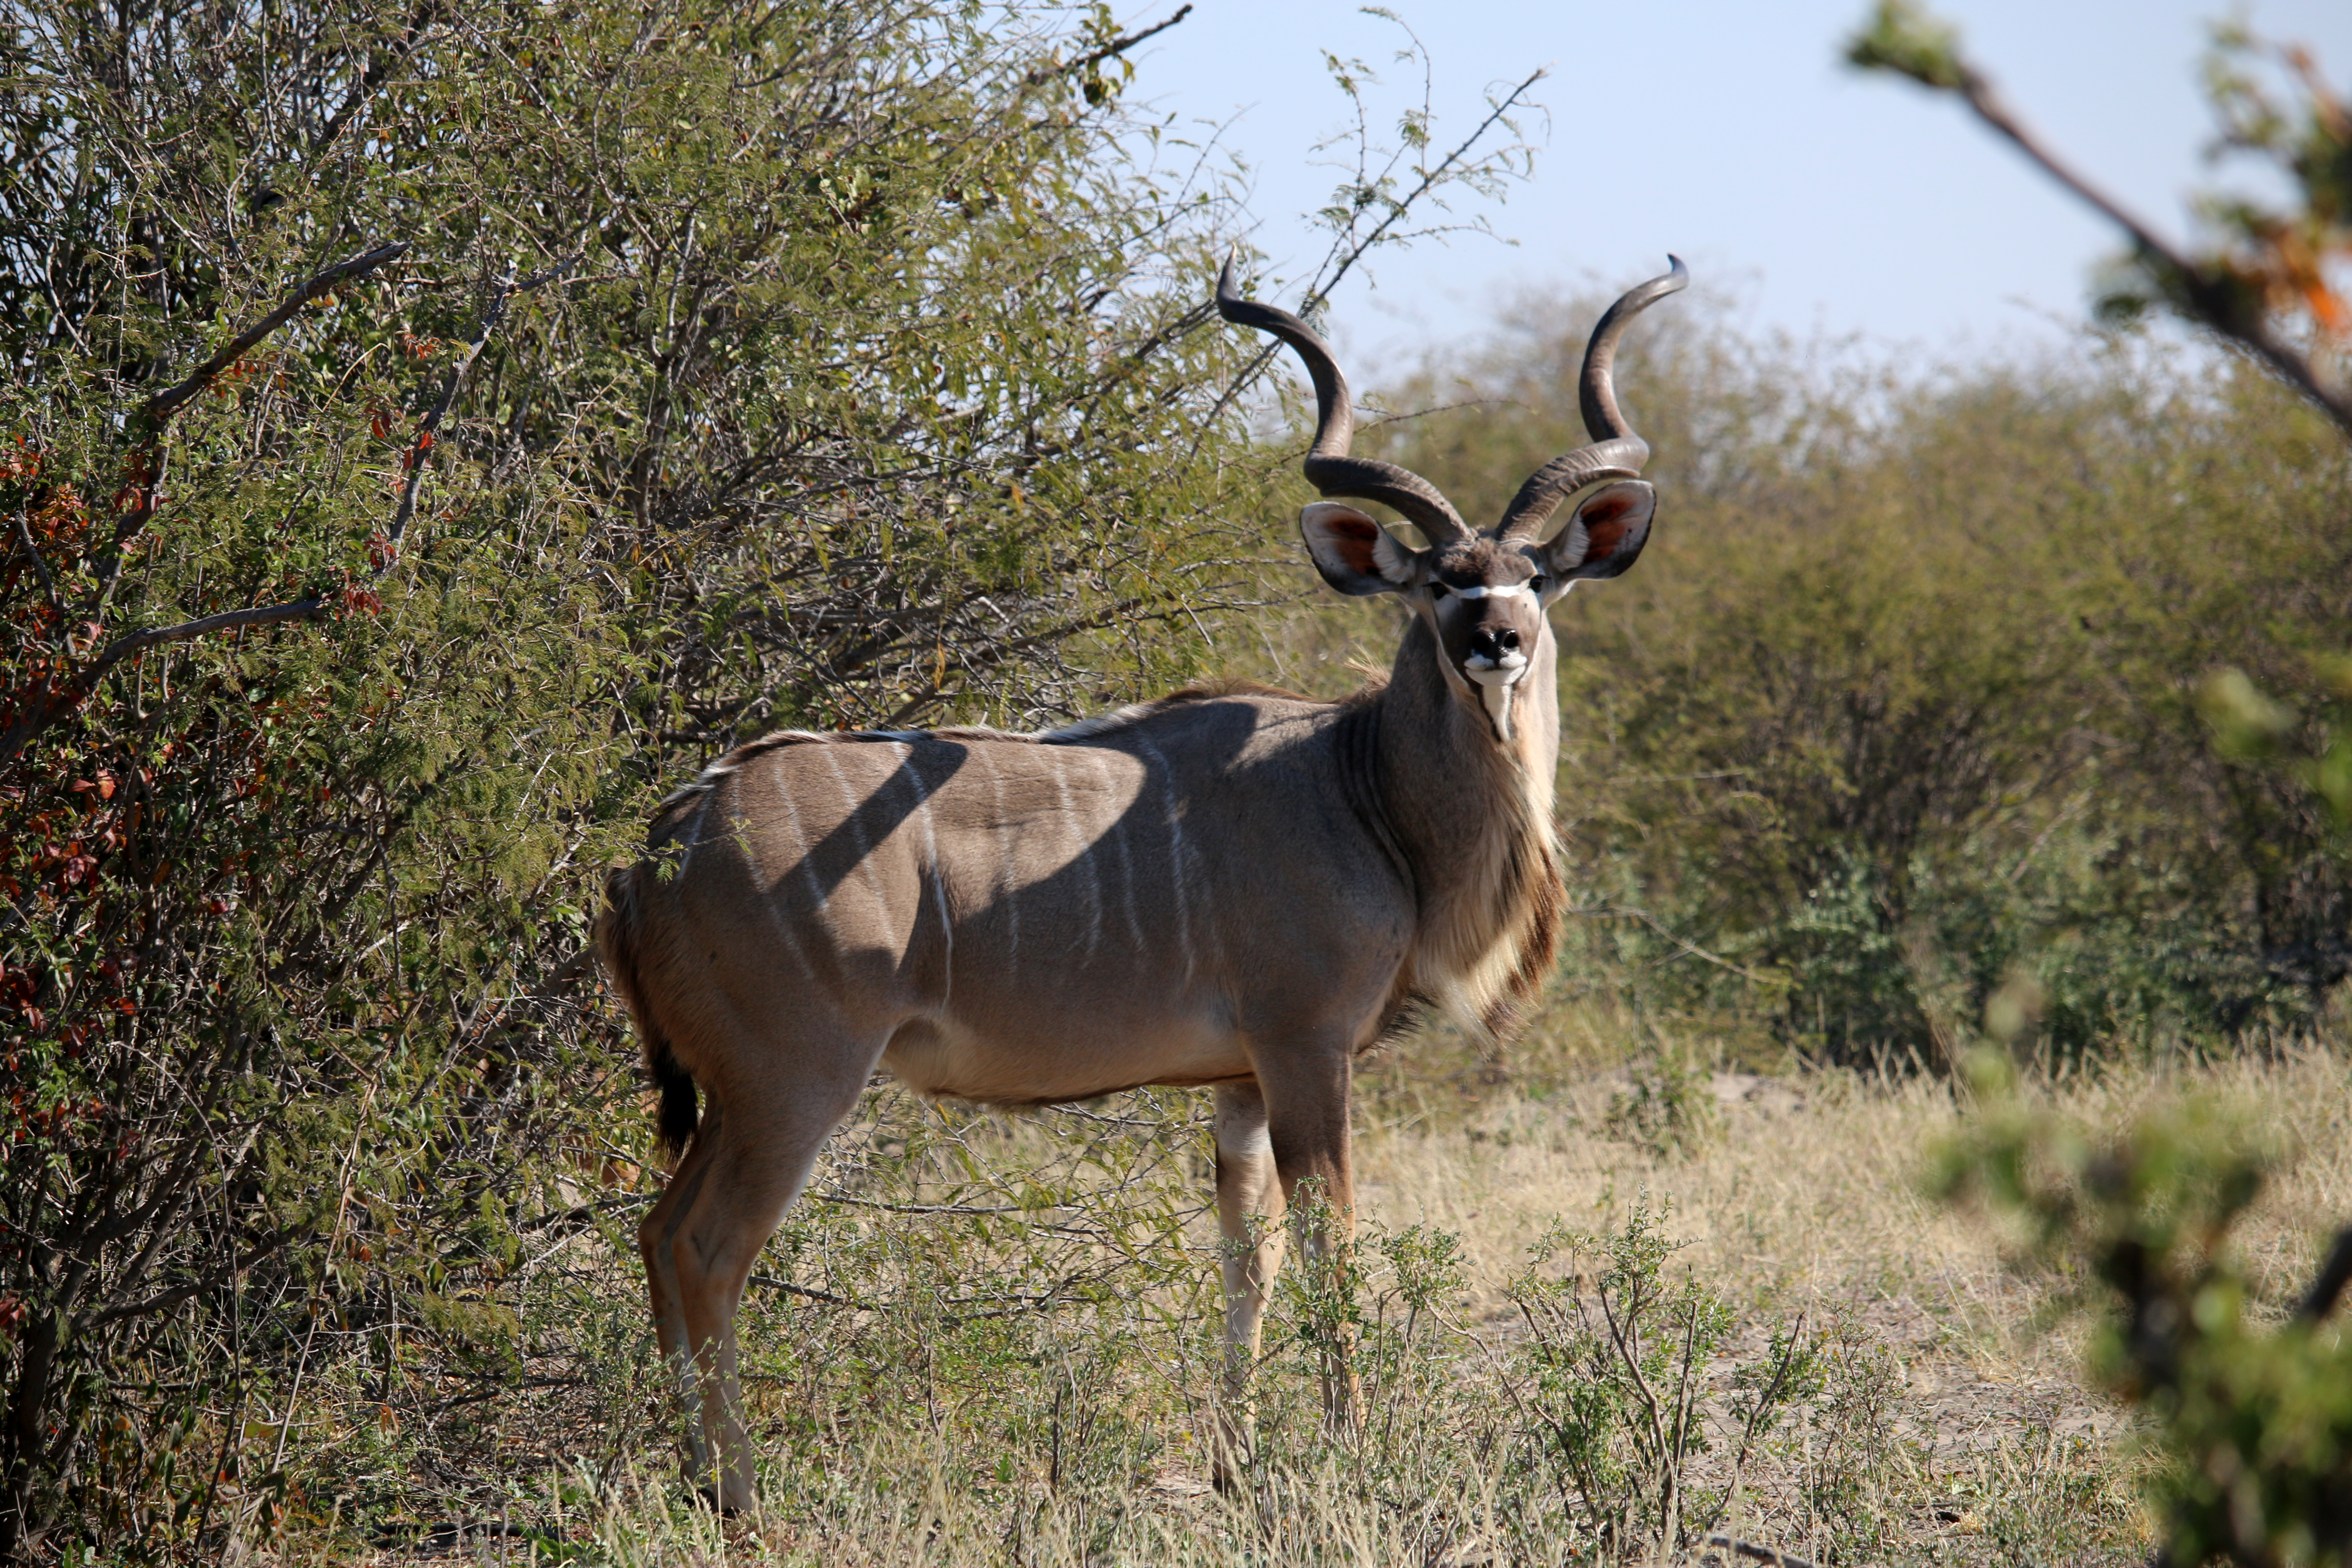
(1963, 1433)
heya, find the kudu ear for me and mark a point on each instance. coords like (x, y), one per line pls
(1355, 554)
(1605, 534)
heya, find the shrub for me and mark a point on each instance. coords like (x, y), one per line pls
(2252, 1418)
(820, 365)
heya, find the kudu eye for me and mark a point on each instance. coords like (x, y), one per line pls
(1538, 584)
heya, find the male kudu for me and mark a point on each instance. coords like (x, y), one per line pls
(1232, 888)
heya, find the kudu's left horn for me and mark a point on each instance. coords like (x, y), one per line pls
(1615, 453)
(1328, 467)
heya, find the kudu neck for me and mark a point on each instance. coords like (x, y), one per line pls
(1444, 781)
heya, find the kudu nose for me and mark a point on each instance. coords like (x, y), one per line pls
(1493, 642)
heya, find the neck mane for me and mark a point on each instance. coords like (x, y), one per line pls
(1472, 816)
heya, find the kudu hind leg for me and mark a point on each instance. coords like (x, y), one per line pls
(655, 1233)
(758, 1166)
(1249, 1218)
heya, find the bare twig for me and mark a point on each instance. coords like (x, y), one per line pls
(1755, 1553)
(1429, 180)
(923, 1208)
(770, 1282)
(228, 620)
(505, 288)
(40, 567)
(1349, 254)
(1116, 46)
(1689, 949)
(378, 71)
(1017, 1304)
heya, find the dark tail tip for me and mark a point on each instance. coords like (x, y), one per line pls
(681, 1108)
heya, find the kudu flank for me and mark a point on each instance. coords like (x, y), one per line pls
(1231, 887)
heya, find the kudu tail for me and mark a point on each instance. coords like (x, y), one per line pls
(618, 943)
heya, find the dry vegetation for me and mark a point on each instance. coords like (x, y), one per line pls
(1946, 1420)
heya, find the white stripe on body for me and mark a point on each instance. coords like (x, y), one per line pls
(857, 831)
(1093, 876)
(1175, 853)
(808, 861)
(701, 818)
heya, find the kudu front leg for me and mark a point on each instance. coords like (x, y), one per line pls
(1306, 1098)
(1249, 1218)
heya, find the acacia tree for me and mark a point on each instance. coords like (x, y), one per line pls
(663, 375)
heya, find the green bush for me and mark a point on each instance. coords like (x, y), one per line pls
(1902, 705)
(745, 365)
(2251, 1418)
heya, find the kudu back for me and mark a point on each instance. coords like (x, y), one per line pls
(1231, 887)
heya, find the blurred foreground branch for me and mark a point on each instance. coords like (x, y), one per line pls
(2266, 282)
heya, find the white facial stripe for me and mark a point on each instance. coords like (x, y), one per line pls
(1490, 591)
(1498, 703)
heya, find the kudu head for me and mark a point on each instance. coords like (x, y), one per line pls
(1482, 595)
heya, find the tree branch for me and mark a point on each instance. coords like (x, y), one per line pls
(157, 410)
(139, 642)
(2209, 295)
(147, 456)
(1903, 38)
(41, 711)
(1755, 1553)
(1116, 46)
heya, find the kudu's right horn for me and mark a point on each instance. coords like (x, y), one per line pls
(1328, 467)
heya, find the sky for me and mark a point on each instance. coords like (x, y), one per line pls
(1816, 199)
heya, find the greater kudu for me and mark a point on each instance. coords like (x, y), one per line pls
(1230, 887)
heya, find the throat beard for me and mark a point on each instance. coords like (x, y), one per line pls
(1497, 698)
